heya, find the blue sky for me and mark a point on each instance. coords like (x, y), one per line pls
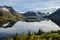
(27, 5)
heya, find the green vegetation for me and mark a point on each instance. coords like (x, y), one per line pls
(6, 16)
(40, 35)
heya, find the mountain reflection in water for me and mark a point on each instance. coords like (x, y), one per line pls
(24, 27)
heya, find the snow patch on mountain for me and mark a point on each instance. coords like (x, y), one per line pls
(46, 10)
(5, 9)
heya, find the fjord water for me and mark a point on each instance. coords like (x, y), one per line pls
(24, 27)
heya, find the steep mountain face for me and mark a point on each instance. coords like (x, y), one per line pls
(55, 17)
(8, 14)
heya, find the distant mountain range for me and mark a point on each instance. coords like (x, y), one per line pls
(40, 12)
(32, 13)
(34, 16)
(45, 10)
(8, 14)
(54, 15)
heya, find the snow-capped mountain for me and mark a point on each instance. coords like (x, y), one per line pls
(46, 10)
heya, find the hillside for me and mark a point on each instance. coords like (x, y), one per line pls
(10, 15)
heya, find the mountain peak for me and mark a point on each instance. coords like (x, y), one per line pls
(55, 17)
(7, 8)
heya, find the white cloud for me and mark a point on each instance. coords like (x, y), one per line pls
(25, 5)
(7, 2)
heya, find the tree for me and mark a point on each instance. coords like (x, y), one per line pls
(29, 33)
(17, 36)
(40, 32)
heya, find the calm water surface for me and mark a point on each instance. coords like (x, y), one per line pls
(22, 26)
